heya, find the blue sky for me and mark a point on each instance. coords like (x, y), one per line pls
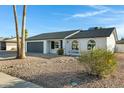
(41, 19)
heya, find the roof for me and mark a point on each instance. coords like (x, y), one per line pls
(54, 35)
(11, 40)
(103, 32)
(120, 42)
(1, 38)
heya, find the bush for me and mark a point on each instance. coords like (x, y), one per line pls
(99, 62)
(60, 51)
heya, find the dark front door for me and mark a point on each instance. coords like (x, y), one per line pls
(35, 47)
(3, 45)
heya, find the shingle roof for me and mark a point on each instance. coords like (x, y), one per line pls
(13, 39)
(104, 32)
(120, 42)
(54, 35)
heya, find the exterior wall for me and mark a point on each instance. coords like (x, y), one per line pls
(48, 47)
(111, 43)
(10, 46)
(64, 46)
(45, 46)
(119, 47)
(100, 43)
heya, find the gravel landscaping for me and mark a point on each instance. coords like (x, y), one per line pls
(60, 71)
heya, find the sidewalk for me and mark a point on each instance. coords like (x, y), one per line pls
(7, 81)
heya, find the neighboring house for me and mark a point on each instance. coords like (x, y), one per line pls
(1, 39)
(73, 42)
(8, 44)
(120, 46)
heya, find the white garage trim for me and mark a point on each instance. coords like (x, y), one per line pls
(35, 41)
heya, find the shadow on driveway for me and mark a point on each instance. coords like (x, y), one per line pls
(7, 55)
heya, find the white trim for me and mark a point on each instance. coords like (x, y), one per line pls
(45, 47)
(35, 41)
(72, 34)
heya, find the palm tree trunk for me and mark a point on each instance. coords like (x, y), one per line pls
(17, 33)
(23, 33)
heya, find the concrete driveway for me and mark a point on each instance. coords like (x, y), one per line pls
(7, 81)
(4, 55)
(7, 54)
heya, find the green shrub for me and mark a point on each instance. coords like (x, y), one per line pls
(60, 51)
(99, 62)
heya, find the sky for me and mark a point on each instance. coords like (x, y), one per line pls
(53, 18)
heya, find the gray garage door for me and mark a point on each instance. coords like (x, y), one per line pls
(35, 47)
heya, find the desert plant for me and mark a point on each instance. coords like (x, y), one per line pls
(99, 62)
(60, 51)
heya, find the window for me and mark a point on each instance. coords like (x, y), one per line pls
(56, 44)
(75, 45)
(91, 45)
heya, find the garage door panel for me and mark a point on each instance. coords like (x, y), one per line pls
(35, 47)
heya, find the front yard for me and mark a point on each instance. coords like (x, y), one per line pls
(59, 71)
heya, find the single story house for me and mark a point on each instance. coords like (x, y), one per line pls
(73, 42)
(8, 44)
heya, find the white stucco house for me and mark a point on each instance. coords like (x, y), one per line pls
(8, 44)
(73, 42)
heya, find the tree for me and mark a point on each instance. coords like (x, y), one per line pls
(17, 33)
(23, 33)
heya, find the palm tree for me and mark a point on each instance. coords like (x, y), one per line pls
(23, 33)
(17, 32)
